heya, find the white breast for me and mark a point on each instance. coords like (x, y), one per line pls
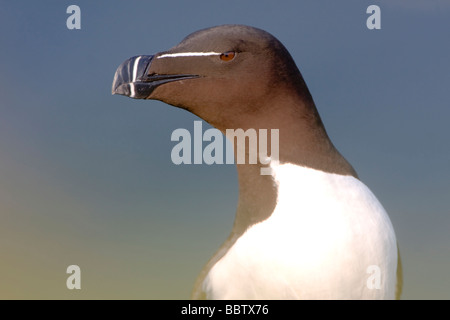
(328, 238)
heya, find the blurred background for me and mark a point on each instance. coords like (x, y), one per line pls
(86, 177)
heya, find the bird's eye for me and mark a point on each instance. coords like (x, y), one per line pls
(227, 56)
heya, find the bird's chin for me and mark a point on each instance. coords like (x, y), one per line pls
(133, 79)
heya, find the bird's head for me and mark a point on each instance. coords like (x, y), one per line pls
(212, 70)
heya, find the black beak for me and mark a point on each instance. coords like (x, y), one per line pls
(132, 78)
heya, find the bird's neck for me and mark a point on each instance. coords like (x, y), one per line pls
(303, 141)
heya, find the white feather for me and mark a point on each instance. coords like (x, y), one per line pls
(325, 233)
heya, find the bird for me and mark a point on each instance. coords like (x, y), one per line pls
(310, 228)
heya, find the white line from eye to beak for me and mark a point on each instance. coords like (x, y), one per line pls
(188, 54)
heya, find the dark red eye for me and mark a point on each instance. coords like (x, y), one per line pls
(227, 56)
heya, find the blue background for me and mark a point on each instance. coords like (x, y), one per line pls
(86, 177)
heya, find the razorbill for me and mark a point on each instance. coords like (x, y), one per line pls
(309, 230)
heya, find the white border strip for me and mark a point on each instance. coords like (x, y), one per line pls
(188, 54)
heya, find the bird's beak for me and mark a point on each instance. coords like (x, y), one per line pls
(134, 79)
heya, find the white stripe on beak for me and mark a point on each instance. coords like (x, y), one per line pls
(135, 67)
(136, 64)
